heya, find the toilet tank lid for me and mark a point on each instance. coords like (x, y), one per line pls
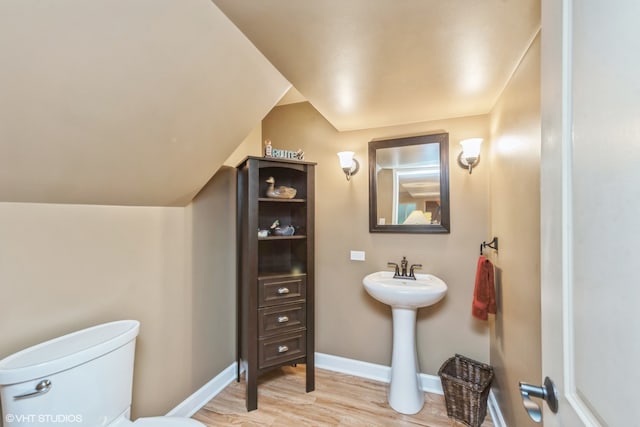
(67, 351)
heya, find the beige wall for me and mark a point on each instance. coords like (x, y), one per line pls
(66, 267)
(515, 219)
(213, 267)
(213, 277)
(251, 146)
(349, 322)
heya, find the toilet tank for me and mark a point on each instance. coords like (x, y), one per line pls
(80, 379)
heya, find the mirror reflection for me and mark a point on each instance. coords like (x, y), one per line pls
(409, 185)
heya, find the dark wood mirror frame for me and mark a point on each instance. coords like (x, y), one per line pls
(444, 226)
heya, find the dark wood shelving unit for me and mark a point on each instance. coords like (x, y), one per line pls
(276, 273)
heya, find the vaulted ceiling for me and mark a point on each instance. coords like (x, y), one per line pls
(140, 102)
(373, 63)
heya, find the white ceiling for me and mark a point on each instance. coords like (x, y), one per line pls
(372, 63)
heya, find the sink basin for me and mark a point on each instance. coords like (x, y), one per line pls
(405, 298)
(424, 291)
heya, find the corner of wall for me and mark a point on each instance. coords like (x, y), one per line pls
(515, 220)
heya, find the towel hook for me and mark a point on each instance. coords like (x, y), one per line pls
(492, 244)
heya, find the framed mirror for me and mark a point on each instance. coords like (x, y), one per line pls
(409, 184)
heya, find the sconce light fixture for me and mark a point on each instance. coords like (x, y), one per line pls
(469, 157)
(348, 163)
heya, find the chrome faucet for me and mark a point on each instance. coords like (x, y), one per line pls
(401, 270)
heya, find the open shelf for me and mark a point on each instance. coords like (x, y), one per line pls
(274, 200)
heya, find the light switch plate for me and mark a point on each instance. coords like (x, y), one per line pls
(357, 255)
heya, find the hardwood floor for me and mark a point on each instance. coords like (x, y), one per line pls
(339, 400)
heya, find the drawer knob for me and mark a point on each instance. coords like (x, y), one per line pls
(282, 319)
(283, 291)
(282, 348)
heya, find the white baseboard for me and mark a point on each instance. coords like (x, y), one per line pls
(358, 368)
(494, 411)
(353, 367)
(207, 392)
(372, 371)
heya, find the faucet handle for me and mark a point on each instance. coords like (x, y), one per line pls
(393, 264)
(414, 266)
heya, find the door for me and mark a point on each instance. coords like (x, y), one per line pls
(590, 210)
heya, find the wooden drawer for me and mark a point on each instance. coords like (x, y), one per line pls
(281, 348)
(281, 289)
(281, 319)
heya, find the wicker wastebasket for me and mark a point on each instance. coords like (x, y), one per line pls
(466, 384)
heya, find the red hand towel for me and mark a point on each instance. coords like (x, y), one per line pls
(484, 293)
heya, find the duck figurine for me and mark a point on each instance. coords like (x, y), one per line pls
(281, 192)
(276, 230)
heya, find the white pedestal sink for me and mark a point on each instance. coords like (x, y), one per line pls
(405, 297)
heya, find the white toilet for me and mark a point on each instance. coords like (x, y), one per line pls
(80, 379)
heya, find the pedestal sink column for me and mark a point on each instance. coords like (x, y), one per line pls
(405, 393)
(405, 296)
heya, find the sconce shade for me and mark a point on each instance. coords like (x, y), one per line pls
(348, 163)
(470, 155)
(471, 147)
(346, 159)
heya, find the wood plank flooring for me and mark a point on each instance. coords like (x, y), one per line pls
(338, 400)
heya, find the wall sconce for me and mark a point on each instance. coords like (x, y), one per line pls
(348, 163)
(469, 157)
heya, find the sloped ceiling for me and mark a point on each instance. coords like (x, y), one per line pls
(373, 63)
(139, 102)
(123, 102)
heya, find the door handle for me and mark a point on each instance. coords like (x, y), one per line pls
(547, 392)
